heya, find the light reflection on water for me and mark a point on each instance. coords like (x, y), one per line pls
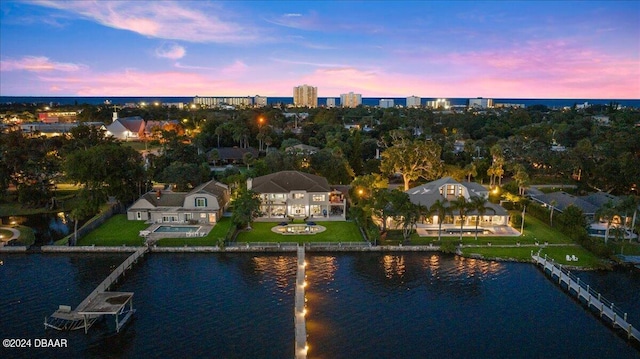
(364, 305)
(416, 305)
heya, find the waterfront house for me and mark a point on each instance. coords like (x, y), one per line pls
(589, 205)
(294, 194)
(204, 204)
(446, 190)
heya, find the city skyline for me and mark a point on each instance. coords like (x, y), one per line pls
(377, 49)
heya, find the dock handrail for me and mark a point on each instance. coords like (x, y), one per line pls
(593, 298)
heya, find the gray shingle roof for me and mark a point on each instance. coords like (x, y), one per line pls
(428, 193)
(564, 200)
(287, 181)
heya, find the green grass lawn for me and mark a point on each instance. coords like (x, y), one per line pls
(535, 231)
(336, 232)
(217, 234)
(586, 259)
(116, 231)
(624, 247)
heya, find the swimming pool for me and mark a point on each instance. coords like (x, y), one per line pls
(176, 229)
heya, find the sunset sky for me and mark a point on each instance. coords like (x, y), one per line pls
(536, 49)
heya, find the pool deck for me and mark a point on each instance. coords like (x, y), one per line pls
(152, 236)
(454, 231)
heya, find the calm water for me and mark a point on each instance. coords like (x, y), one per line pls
(322, 101)
(412, 305)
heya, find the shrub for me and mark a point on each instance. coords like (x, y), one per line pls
(448, 247)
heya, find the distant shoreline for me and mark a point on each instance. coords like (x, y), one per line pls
(366, 101)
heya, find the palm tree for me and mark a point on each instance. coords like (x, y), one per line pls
(439, 208)
(219, 132)
(461, 205)
(525, 202)
(607, 212)
(471, 170)
(629, 205)
(479, 204)
(552, 204)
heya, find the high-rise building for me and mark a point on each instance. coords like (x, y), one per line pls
(386, 103)
(480, 102)
(305, 96)
(213, 102)
(259, 101)
(350, 99)
(439, 104)
(414, 101)
(331, 102)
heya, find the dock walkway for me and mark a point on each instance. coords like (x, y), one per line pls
(98, 303)
(587, 296)
(300, 311)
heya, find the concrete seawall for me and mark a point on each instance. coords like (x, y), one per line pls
(253, 248)
(13, 249)
(87, 249)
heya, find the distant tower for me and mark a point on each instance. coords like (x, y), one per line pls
(350, 99)
(115, 113)
(305, 96)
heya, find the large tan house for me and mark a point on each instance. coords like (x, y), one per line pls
(294, 194)
(204, 204)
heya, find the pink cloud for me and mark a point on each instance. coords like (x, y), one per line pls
(37, 64)
(238, 67)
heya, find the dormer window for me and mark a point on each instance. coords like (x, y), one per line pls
(201, 202)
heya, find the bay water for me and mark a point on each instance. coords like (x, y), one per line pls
(360, 305)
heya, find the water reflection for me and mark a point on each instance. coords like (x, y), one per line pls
(393, 266)
(279, 267)
(434, 305)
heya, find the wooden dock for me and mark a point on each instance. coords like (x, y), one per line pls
(99, 302)
(300, 311)
(587, 296)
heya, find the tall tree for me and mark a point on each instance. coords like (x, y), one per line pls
(629, 206)
(246, 208)
(606, 213)
(553, 205)
(479, 204)
(412, 159)
(462, 207)
(439, 208)
(104, 170)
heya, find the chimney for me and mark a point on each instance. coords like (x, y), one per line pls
(249, 183)
(158, 194)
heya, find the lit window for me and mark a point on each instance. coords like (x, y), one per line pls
(318, 198)
(298, 195)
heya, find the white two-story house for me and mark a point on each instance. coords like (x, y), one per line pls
(298, 195)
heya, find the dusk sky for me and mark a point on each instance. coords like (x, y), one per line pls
(536, 49)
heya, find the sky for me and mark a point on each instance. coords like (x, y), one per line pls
(452, 49)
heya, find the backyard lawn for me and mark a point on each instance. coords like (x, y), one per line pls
(586, 259)
(336, 232)
(535, 231)
(116, 231)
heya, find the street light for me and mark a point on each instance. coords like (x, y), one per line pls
(260, 123)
